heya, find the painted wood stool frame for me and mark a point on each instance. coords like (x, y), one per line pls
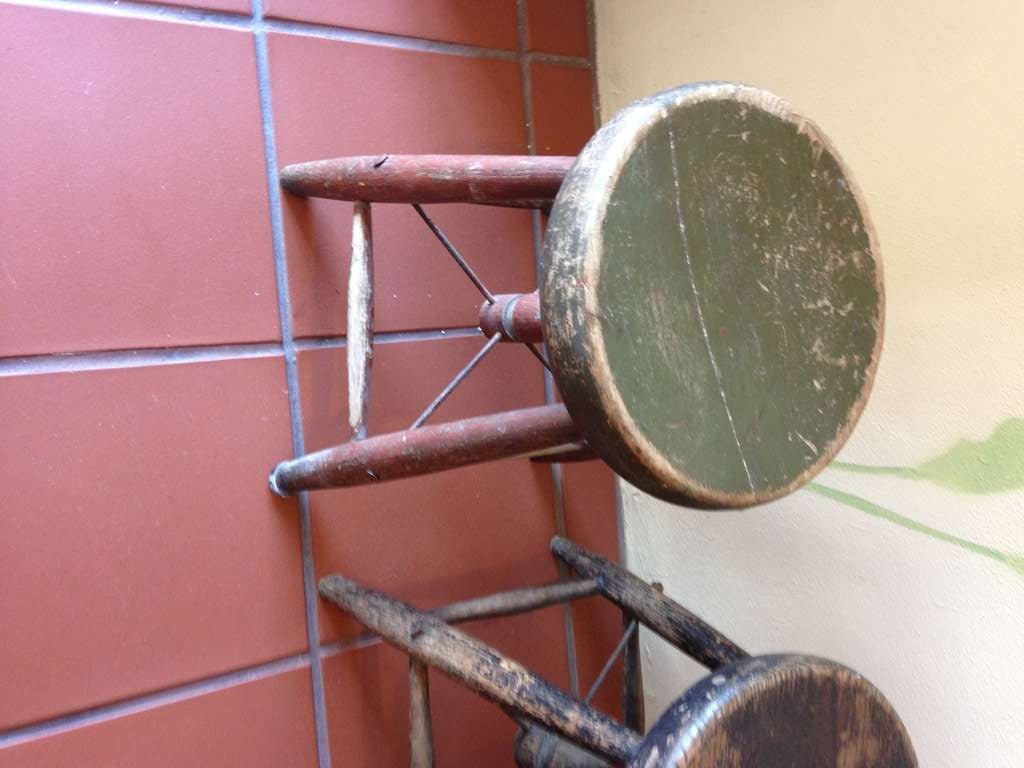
(662, 234)
(766, 711)
(674, 367)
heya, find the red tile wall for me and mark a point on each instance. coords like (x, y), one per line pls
(135, 213)
(173, 325)
(557, 26)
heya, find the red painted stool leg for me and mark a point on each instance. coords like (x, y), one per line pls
(520, 181)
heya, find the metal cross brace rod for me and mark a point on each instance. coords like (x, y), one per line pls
(458, 379)
(453, 251)
(468, 270)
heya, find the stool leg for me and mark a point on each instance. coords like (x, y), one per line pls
(686, 631)
(520, 181)
(431, 448)
(359, 334)
(536, 747)
(485, 670)
(421, 735)
(632, 679)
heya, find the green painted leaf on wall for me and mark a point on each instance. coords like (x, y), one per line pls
(989, 466)
(1014, 560)
(993, 465)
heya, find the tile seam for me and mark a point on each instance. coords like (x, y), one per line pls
(595, 94)
(558, 500)
(143, 357)
(67, 362)
(291, 376)
(131, 705)
(139, 10)
(134, 705)
(180, 14)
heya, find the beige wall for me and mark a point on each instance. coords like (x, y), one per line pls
(906, 562)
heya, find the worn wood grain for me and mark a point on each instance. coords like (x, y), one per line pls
(565, 454)
(485, 670)
(524, 181)
(536, 747)
(431, 448)
(516, 316)
(632, 679)
(421, 732)
(711, 296)
(359, 336)
(515, 601)
(779, 712)
(683, 629)
(509, 603)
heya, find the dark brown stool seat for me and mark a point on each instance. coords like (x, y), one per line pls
(779, 712)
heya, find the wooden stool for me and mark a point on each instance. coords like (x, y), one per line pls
(750, 712)
(711, 300)
(783, 711)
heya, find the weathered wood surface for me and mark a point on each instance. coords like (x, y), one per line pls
(632, 679)
(535, 747)
(523, 181)
(510, 602)
(491, 674)
(711, 296)
(515, 601)
(783, 711)
(359, 334)
(516, 316)
(421, 732)
(431, 448)
(683, 629)
(779, 712)
(565, 454)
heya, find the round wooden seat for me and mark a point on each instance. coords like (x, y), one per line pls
(711, 296)
(779, 712)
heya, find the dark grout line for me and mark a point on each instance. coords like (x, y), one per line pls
(558, 486)
(70, 362)
(556, 59)
(133, 9)
(385, 39)
(595, 94)
(620, 520)
(292, 378)
(351, 644)
(142, 357)
(135, 705)
(526, 82)
(558, 511)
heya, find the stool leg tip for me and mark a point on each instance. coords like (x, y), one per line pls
(272, 482)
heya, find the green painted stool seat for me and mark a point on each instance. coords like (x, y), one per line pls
(712, 296)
